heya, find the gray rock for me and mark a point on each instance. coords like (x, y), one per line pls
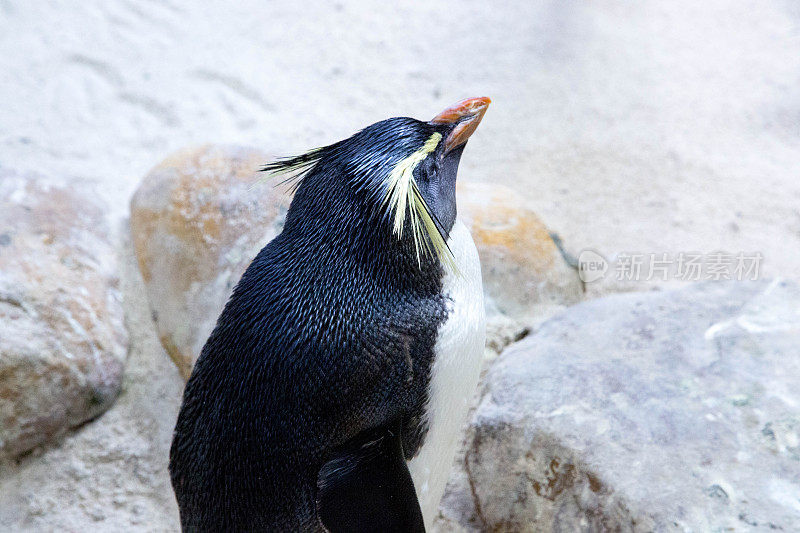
(63, 342)
(660, 411)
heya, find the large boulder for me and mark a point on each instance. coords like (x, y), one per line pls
(523, 268)
(63, 342)
(526, 278)
(197, 220)
(111, 476)
(660, 411)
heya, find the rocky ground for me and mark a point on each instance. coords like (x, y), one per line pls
(661, 410)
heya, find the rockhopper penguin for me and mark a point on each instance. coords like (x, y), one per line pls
(332, 391)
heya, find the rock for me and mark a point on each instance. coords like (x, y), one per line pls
(525, 276)
(522, 266)
(63, 342)
(197, 221)
(112, 474)
(659, 411)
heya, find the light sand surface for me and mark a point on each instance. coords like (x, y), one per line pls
(638, 126)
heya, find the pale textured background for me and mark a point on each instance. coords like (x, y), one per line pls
(638, 126)
(628, 126)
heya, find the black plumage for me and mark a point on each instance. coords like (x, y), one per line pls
(322, 355)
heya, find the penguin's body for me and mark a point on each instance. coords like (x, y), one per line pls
(331, 393)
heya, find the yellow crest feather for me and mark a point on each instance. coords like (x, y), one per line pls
(403, 194)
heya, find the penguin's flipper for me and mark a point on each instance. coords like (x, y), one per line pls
(366, 486)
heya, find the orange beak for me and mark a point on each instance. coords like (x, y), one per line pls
(467, 114)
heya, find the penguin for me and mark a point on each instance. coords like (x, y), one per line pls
(331, 393)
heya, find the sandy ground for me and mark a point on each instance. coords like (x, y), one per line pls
(638, 126)
(642, 127)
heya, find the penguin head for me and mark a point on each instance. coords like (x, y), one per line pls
(399, 172)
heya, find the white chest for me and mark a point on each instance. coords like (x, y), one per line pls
(454, 374)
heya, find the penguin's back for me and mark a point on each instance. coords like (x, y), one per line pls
(312, 352)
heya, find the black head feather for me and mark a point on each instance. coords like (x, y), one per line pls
(364, 165)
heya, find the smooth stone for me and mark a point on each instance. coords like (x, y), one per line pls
(197, 220)
(63, 343)
(657, 411)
